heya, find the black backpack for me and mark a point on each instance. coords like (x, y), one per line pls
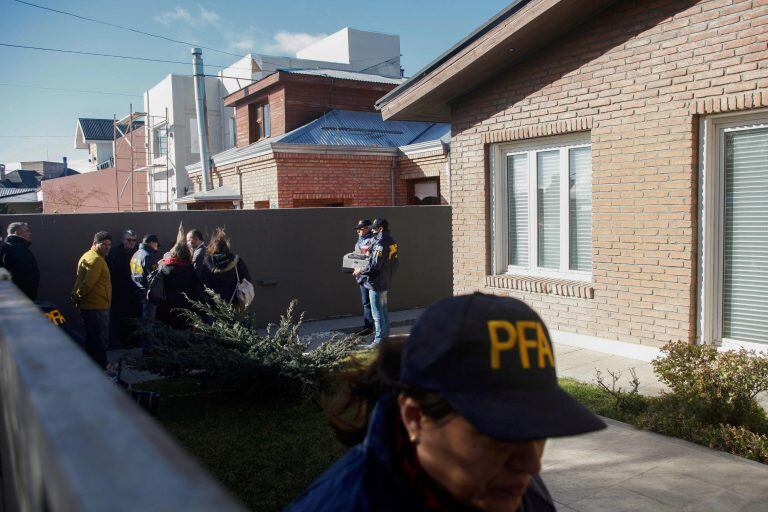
(156, 287)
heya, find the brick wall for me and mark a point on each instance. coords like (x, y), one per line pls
(422, 165)
(355, 180)
(255, 179)
(290, 180)
(636, 77)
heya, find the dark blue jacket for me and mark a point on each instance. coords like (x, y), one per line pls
(143, 262)
(367, 478)
(382, 263)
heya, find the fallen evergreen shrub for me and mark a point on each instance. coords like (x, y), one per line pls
(226, 348)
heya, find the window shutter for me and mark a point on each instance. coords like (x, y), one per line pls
(745, 247)
(517, 195)
(548, 186)
(580, 208)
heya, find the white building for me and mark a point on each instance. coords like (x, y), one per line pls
(170, 105)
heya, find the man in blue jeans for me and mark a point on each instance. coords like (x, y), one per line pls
(364, 241)
(377, 276)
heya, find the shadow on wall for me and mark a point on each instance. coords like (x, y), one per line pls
(290, 253)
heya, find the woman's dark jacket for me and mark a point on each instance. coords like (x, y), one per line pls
(219, 273)
(179, 278)
(368, 478)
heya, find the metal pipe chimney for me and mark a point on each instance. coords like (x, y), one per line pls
(202, 118)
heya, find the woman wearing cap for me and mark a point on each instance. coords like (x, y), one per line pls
(455, 418)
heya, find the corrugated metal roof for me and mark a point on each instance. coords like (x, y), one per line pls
(343, 128)
(349, 128)
(438, 131)
(346, 75)
(9, 192)
(102, 129)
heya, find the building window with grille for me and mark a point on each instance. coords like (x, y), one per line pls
(259, 126)
(734, 214)
(542, 208)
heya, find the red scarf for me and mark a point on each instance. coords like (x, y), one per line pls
(175, 261)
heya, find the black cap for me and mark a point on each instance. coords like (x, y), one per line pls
(492, 359)
(380, 223)
(148, 239)
(363, 223)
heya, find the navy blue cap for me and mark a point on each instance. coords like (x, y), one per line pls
(492, 359)
(363, 223)
(380, 223)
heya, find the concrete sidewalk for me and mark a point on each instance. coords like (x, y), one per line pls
(622, 468)
(625, 469)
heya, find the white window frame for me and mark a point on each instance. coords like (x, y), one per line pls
(499, 206)
(712, 130)
(157, 131)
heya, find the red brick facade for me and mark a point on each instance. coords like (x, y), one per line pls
(303, 180)
(637, 79)
(295, 100)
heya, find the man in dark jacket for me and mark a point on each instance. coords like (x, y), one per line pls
(377, 274)
(16, 257)
(125, 302)
(364, 241)
(197, 246)
(143, 263)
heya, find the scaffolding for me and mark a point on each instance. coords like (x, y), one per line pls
(139, 157)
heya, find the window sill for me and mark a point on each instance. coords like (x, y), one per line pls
(543, 285)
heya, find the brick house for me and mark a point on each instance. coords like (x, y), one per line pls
(312, 138)
(609, 165)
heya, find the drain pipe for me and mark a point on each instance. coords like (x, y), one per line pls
(202, 121)
(392, 179)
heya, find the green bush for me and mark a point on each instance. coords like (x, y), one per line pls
(226, 347)
(715, 387)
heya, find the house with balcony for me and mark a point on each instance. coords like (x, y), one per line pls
(312, 138)
(609, 166)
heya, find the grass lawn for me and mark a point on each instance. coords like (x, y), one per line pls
(266, 451)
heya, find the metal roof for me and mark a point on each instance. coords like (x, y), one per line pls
(9, 192)
(223, 193)
(343, 128)
(102, 129)
(346, 75)
(438, 131)
(350, 128)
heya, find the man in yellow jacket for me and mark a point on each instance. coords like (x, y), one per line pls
(93, 296)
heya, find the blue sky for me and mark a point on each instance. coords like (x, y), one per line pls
(278, 27)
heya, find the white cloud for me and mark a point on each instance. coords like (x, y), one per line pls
(181, 15)
(288, 43)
